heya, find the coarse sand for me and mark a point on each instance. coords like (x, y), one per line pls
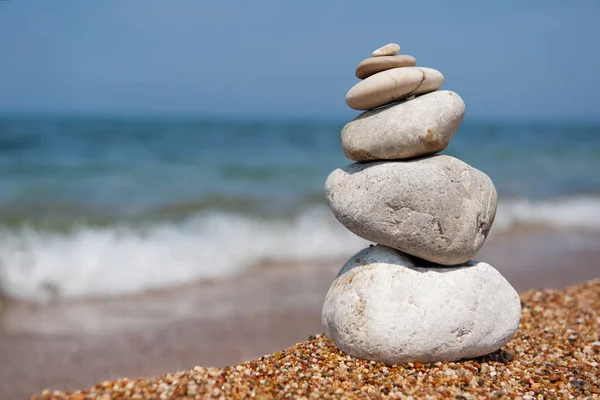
(554, 354)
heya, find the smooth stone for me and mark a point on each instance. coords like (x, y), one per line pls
(389, 49)
(437, 208)
(374, 65)
(392, 85)
(417, 127)
(388, 307)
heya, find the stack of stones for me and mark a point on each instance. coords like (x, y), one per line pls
(416, 295)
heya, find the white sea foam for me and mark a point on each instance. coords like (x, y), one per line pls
(574, 212)
(37, 266)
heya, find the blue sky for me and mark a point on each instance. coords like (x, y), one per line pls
(507, 59)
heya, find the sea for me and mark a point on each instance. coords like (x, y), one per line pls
(100, 207)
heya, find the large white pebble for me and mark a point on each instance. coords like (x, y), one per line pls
(437, 208)
(389, 307)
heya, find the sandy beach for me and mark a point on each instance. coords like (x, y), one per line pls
(70, 346)
(555, 354)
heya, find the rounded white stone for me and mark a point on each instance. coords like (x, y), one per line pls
(412, 128)
(437, 208)
(393, 85)
(388, 50)
(392, 308)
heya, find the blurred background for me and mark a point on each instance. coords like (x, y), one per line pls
(148, 146)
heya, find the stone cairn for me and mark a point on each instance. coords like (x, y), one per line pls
(416, 295)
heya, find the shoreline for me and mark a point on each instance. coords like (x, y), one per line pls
(69, 346)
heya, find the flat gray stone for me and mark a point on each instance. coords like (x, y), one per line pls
(373, 65)
(393, 85)
(412, 128)
(437, 208)
(388, 307)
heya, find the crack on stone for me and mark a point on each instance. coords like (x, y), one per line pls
(418, 86)
(382, 96)
(397, 84)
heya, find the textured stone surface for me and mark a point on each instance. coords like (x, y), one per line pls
(385, 306)
(412, 128)
(373, 65)
(388, 50)
(437, 208)
(392, 85)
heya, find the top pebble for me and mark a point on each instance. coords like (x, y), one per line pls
(389, 49)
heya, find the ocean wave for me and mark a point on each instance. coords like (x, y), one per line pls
(573, 212)
(97, 261)
(108, 261)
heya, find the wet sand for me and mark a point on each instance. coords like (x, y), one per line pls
(219, 323)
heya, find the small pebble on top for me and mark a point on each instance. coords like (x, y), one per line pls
(389, 49)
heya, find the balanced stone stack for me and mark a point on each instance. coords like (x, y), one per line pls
(416, 295)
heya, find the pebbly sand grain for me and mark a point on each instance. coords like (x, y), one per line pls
(554, 354)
